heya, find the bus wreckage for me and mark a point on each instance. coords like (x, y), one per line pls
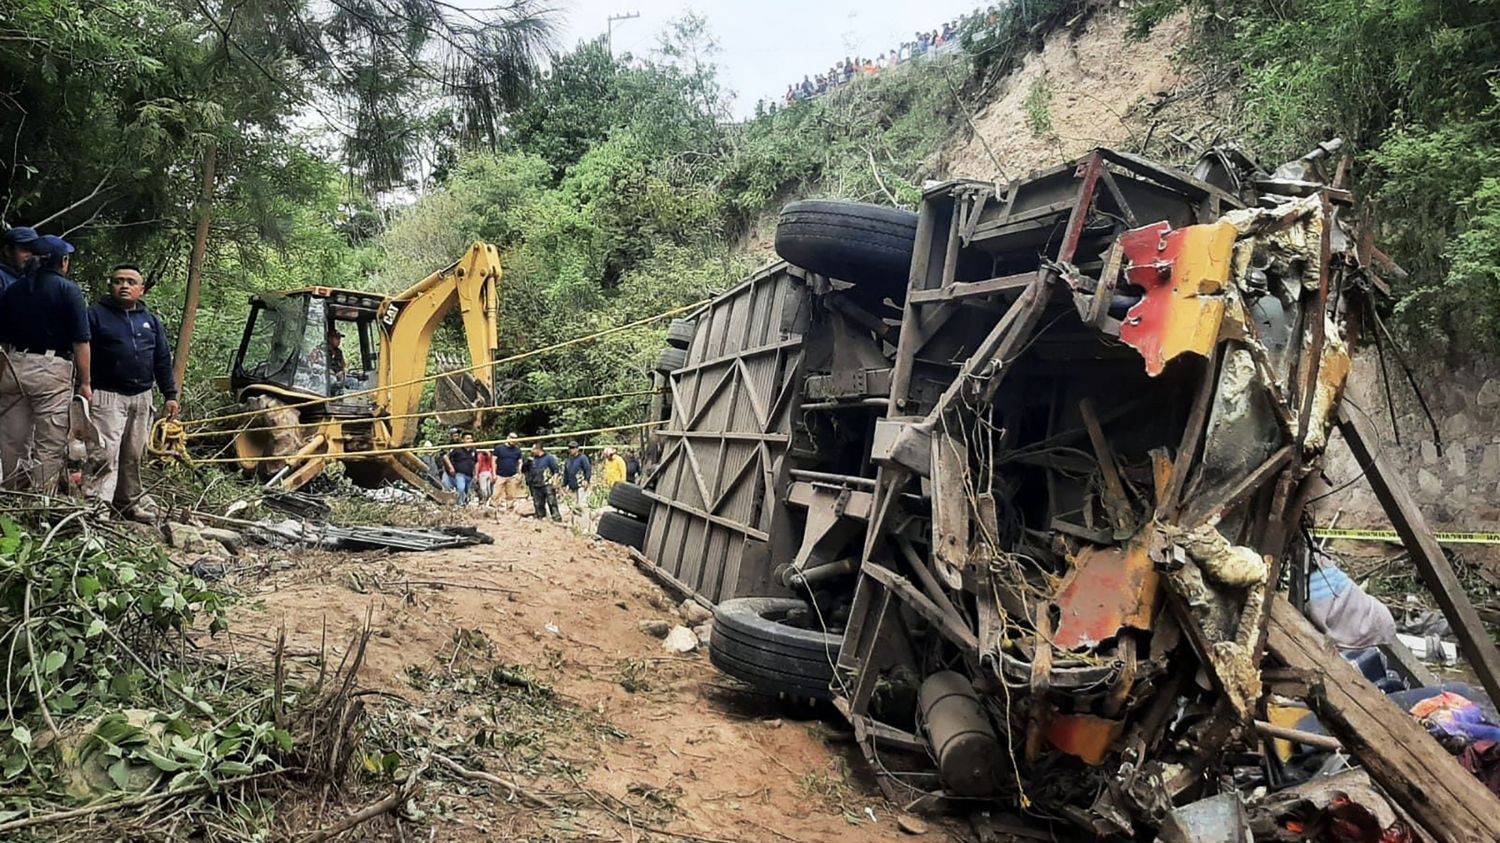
(1017, 482)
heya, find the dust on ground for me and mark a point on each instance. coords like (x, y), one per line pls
(525, 658)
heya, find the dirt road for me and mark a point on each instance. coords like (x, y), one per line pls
(526, 658)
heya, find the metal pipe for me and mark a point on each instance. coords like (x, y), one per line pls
(1298, 736)
(826, 477)
(836, 405)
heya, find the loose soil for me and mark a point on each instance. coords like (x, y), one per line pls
(582, 699)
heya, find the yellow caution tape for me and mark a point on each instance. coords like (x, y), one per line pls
(1395, 538)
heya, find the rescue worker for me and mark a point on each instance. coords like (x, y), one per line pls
(17, 254)
(44, 345)
(458, 465)
(131, 353)
(578, 473)
(508, 459)
(542, 471)
(611, 468)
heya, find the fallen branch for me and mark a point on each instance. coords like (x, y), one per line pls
(490, 778)
(397, 798)
(652, 829)
(74, 813)
(443, 584)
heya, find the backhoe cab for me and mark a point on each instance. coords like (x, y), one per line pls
(339, 374)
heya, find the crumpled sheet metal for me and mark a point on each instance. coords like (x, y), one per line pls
(1109, 589)
(1183, 273)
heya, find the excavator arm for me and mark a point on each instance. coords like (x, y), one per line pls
(409, 319)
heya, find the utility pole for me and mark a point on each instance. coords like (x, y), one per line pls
(609, 28)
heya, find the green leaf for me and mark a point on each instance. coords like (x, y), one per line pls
(13, 766)
(119, 773)
(162, 762)
(21, 735)
(53, 662)
(96, 628)
(233, 768)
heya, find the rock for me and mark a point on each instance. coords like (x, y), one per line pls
(704, 631)
(1458, 426)
(191, 539)
(693, 612)
(183, 536)
(1458, 461)
(655, 628)
(1489, 393)
(910, 824)
(1489, 464)
(1428, 484)
(1429, 453)
(680, 640)
(229, 538)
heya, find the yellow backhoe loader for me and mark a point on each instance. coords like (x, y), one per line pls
(319, 398)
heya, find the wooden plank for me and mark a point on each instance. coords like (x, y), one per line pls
(1192, 434)
(1206, 505)
(1473, 639)
(948, 626)
(1114, 192)
(1398, 753)
(1116, 502)
(969, 289)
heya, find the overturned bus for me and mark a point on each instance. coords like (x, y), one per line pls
(1012, 480)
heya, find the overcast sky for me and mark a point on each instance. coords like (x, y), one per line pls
(765, 44)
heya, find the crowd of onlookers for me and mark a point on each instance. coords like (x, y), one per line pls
(923, 45)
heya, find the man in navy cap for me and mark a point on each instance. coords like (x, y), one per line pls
(17, 250)
(44, 343)
(130, 354)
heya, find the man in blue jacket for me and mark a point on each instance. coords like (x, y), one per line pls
(578, 474)
(17, 252)
(541, 473)
(131, 354)
(44, 353)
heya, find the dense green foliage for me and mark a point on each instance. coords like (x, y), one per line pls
(623, 192)
(1410, 84)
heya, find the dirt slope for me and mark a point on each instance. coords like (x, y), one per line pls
(689, 749)
(1093, 86)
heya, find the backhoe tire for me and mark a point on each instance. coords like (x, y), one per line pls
(680, 333)
(630, 499)
(753, 641)
(851, 241)
(671, 360)
(622, 529)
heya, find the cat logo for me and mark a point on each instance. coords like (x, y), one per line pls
(388, 318)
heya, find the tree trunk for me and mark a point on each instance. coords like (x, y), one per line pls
(195, 266)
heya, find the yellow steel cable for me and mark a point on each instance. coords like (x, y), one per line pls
(414, 449)
(313, 402)
(418, 415)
